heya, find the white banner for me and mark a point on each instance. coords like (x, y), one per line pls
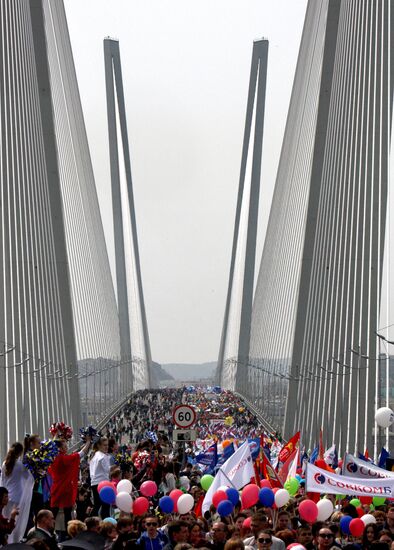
(321, 481)
(355, 467)
(235, 472)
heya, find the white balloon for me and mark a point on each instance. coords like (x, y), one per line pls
(185, 504)
(124, 486)
(368, 518)
(223, 488)
(325, 509)
(124, 502)
(384, 417)
(282, 497)
(184, 482)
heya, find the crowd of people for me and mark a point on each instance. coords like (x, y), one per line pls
(65, 506)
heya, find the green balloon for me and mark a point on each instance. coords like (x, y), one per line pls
(355, 502)
(339, 497)
(206, 481)
(378, 501)
(292, 485)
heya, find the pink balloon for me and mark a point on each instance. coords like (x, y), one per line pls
(140, 506)
(174, 496)
(265, 483)
(218, 497)
(104, 484)
(356, 527)
(148, 488)
(250, 495)
(247, 522)
(308, 510)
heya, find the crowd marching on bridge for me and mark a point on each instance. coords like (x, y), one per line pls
(228, 485)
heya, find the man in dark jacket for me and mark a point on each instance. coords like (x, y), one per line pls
(152, 538)
(45, 529)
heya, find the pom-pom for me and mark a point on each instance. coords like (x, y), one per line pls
(124, 458)
(91, 432)
(60, 430)
(37, 461)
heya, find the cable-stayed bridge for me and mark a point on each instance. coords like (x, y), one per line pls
(303, 346)
(302, 340)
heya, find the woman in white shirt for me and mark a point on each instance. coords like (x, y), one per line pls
(19, 482)
(99, 471)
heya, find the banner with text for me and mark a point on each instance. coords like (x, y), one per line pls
(321, 481)
(355, 467)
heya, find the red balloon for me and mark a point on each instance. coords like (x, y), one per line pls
(265, 483)
(218, 497)
(356, 527)
(250, 495)
(308, 511)
(246, 523)
(340, 463)
(365, 500)
(105, 484)
(315, 497)
(360, 511)
(174, 496)
(140, 506)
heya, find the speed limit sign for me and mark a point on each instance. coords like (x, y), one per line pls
(184, 416)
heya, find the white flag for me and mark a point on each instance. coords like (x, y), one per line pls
(235, 472)
(321, 481)
(355, 467)
(329, 455)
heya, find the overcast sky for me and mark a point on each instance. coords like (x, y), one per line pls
(185, 72)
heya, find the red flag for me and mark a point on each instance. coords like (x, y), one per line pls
(321, 446)
(366, 454)
(269, 472)
(284, 470)
(198, 506)
(287, 449)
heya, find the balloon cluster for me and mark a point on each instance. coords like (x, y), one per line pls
(60, 430)
(37, 461)
(355, 526)
(177, 501)
(91, 432)
(124, 458)
(120, 495)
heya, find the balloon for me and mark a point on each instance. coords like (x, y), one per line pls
(124, 502)
(265, 483)
(365, 500)
(384, 417)
(218, 497)
(324, 508)
(166, 505)
(226, 443)
(282, 497)
(266, 497)
(103, 484)
(108, 495)
(246, 523)
(222, 488)
(378, 501)
(292, 485)
(360, 511)
(206, 481)
(250, 495)
(111, 520)
(140, 506)
(308, 510)
(344, 523)
(185, 504)
(356, 527)
(368, 518)
(225, 508)
(148, 488)
(124, 486)
(232, 495)
(355, 502)
(299, 479)
(295, 546)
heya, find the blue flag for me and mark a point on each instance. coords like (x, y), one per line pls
(314, 455)
(227, 452)
(363, 457)
(383, 457)
(209, 457)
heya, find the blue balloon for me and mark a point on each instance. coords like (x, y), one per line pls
(267, 497)
(297, 476)
(225, 508)
(232, 495)
(108, 495)
(110, 520)
(166, 505)
(344, 524)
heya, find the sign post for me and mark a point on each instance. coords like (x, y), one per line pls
(184, 416)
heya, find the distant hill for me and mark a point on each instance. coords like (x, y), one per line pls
(191, 371)
(159, 375)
